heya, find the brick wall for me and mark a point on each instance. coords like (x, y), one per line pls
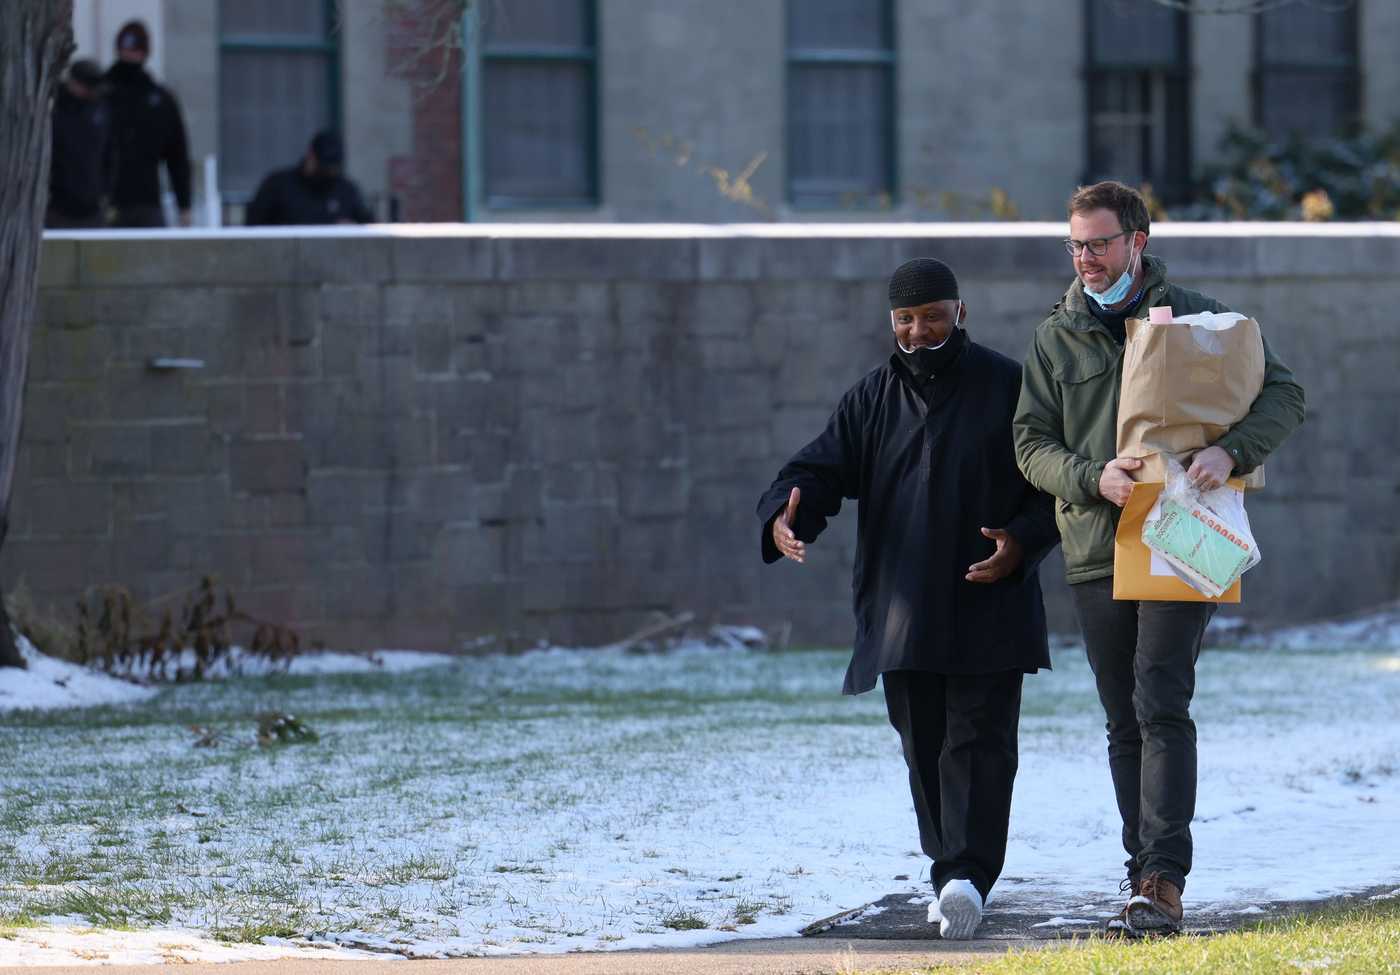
(424, 48)
(424, 439)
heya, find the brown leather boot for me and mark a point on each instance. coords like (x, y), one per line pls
(1117, 926)
(1157, 907)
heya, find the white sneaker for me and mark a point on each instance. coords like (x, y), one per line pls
(934, 915)
(960, 910)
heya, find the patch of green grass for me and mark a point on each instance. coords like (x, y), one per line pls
(113, 906)
(681, 920)
(1359, 940)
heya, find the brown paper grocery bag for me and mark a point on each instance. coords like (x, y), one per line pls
(1183, 387)
(1133, 576)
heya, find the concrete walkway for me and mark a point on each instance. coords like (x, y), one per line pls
(780, 956)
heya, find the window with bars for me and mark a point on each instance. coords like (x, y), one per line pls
(840, 103)
(279, 84)
(1306, 71)
(1138, 81)
(538, 78)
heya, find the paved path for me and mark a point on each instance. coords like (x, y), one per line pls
(891, 934)
(779, 956)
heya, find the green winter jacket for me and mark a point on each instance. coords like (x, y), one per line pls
(1066, 423)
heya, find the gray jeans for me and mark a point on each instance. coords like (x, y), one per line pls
(1143, 655)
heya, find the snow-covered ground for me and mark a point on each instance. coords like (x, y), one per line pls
(558, 800)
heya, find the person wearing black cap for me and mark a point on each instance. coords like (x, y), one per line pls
(81, 162)
(149, 131)
(947, 597)
(314, 191)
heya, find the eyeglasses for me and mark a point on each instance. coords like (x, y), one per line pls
(1098, 246)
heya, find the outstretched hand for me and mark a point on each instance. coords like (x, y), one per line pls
(783, 535)
(1004, 561)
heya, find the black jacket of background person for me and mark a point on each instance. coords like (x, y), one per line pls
(928, 476)
(289, 196)
(148, 130)
(80, 172)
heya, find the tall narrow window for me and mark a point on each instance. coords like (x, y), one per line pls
(1306, 71)
(1138, 78)
(279, 83)
(840, 102)
(539, 103)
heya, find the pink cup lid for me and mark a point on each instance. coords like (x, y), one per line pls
(1160, 315)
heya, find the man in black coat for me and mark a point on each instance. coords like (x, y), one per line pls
(80, 166)
(314, 191)
(149, 131)
(947, 597)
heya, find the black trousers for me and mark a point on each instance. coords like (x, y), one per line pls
(1143, 655)
(959, 736)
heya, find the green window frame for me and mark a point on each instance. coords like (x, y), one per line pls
(1334, 75)
(821, 184)
(486, 61)
(237, 183)
(1145, 96)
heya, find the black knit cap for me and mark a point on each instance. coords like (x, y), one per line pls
(920, 281)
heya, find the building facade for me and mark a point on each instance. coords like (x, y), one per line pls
(751, 110)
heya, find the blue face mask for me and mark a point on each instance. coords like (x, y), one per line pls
(1119, 291)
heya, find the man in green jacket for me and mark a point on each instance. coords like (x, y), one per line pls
(1143, 654)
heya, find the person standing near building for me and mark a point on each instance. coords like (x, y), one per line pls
(149, 132)
(314, 191)
(947, 595)
(1143, 654)
(80, 167)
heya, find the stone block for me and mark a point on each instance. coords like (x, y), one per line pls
(733, 400)
(66, 308)
(356, 593)
(344, 305)
(654, 492)
(51, 408)
(56, 571)
(69, 354)
(517, 498)
(417, 304)
(339, 498)
(136, 393)
(375, 442)
(718, 310)
(597, 259)
(113, 451)
(446, 259)
(180, 449)
(350, 259)
(267, 466)
(580, 482)
(571, 534)
(392, 536)
(472, 552)
(184, 260)
(58, 263)
(71, 509)
(438, 496)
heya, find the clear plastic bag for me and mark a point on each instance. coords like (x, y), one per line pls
(1203, 536)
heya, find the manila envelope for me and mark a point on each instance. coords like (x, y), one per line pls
(1133, 575)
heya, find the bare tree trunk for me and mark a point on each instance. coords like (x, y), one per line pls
(36, 38)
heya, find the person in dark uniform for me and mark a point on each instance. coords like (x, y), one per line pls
(80, 167)
(947, 597)
(314, 191)
(149, 131)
